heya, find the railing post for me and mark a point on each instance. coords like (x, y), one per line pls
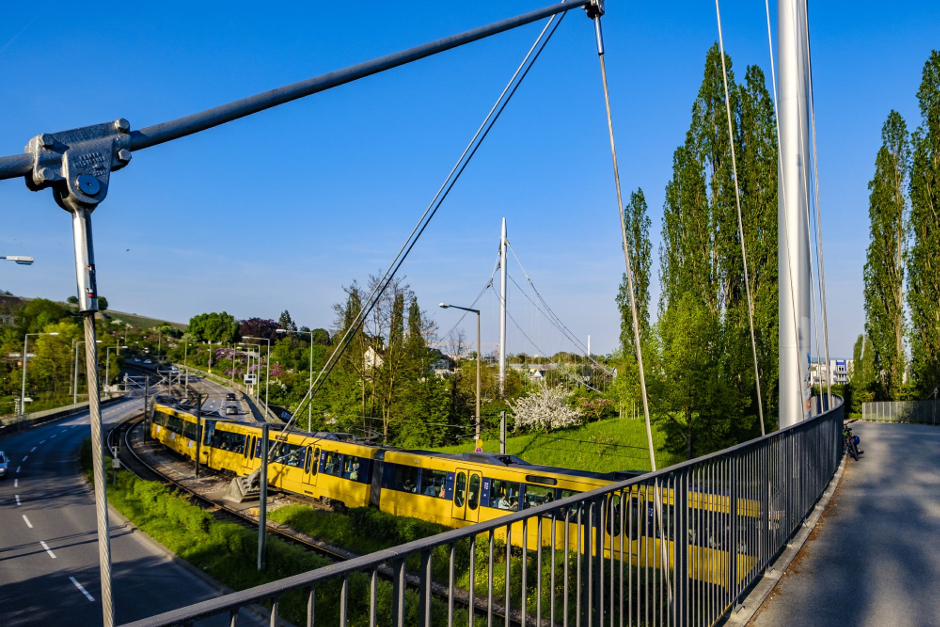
(733, 540)
(680, 544)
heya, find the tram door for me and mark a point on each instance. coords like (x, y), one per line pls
(311, 468)
(467, 488)
(249, 452)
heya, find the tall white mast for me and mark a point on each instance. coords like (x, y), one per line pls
(793, 255)
(502, 309)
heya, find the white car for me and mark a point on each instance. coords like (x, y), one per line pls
(147, 361)
(137, 359)
(3, 466)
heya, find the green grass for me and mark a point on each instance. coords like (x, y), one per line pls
(602, 446)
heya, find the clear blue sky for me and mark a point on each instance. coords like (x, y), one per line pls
(279, 210)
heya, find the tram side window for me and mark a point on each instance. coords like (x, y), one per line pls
(174, 425)
(405, 479)
(313, 460)
(351, 468)
(189, 430)
(333, 463)
(536, 495)
(288, 454)
(504, 495)
(160, 418)
(227, 441)
(434, 483)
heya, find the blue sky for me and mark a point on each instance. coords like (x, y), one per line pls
(280, 210)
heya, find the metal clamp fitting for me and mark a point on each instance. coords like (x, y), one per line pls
(77, 164)
(595, 9)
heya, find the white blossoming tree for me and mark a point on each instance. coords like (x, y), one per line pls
(546, 408)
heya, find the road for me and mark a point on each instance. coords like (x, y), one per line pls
(48, 541)
(875, 560)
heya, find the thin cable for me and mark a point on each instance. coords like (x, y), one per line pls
(626, 258)
(786, 228)
(521, 72)
(737, 199)
(553, 317)
(819, 237)
(488, 285)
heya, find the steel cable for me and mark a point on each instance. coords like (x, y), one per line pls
(737, 199)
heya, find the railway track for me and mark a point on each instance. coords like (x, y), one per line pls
(131, 460)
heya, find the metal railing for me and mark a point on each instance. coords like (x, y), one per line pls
(917, 412)
(676, 547)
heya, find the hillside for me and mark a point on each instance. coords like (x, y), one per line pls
(603, 446)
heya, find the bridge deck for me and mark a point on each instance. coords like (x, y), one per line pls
(876, 558)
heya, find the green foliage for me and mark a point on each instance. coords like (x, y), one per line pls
(213, 327)
(72, 300)
(923, 294)
(102, 303)
(884, 266)
(702, 374)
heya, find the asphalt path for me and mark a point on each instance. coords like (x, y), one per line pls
(875, 560)
(48, 540)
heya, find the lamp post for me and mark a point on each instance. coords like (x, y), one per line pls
(21, 260)
(25, 359)
(310, 382)
(76, 344)
(267, 376)
(477, 312)
(107, 363)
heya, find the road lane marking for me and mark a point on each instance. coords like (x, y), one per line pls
(17, 470)
(28, 524)
(48, 550)
(81, 589)
(17, 499)
(16, 483)
(43, 441)
(25, 458)
(32, 450)
(54, 436)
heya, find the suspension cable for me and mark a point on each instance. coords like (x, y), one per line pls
(737, 199)
(819, 236)
(500, 105)
(786, 228)
(488, 285)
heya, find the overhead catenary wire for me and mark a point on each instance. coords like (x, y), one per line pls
(476, 141)
(553, 317)
(737, 199)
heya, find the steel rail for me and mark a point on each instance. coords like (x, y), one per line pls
(21, 165)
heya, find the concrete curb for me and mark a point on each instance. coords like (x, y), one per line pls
(755, 599)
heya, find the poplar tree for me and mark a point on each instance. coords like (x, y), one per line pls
(884, 266)
(923, 264)
(637, 225)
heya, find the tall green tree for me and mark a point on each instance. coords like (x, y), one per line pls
(884, 265)
(923, 262)
(213, 327)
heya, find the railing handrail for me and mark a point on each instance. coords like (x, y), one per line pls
(310, 579)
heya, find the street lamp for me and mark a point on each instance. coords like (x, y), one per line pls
(25, 358)
(75, 345)
(19, 259)
(310, 383)
(107, 363)
(267, 376)
(477, 312)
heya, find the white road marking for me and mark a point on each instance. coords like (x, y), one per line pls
(17, 470)
(16, 483)
(48, 550)
(17, 499)
(43, 441)
(32, 450)
(25, 458)
(54, 436)
(82, 589)
(28, 524)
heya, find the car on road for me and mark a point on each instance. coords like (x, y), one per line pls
(4, 470)
(147, 361)
(174, 370)
(137, 359)
(231, 410)
(230, 396)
